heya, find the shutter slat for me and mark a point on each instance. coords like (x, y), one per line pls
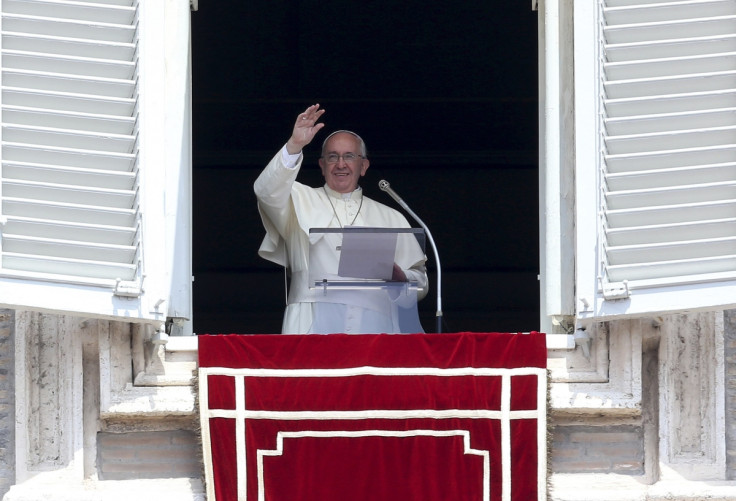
(35, 246)
(23, 115)
(95, 12)
(69, 211)
(25, 171)
(122, 3)
(78, 85)
(667, 122)
(40, 25)
(38, 61)
(670, 67)
(624, 3)
(670, 177)
(671, 251)
(694, 101)
(672, 140)
(65, 101)
(646, 12)
(670, 158)
(80, 140)
(670, 195)
(699, 27)
(678, 84)
(113, 235)
(85, 196)
(68, 156)
(671, 214)
(670, 48)
(699, 230)
(68, 46)
(674, 272)
(67, 270)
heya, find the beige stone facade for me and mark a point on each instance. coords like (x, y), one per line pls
(94, 409)
(655, 418)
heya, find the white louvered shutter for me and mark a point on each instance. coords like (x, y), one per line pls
(74, 174)
(665, 236)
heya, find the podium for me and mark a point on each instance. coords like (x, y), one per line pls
(354, 266)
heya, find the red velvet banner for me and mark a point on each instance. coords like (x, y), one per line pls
(425, 417)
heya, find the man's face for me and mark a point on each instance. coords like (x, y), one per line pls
(343, 175)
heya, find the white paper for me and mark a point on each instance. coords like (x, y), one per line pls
(367, 255)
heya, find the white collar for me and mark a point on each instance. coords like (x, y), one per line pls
(356, 194)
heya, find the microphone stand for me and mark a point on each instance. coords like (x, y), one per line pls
(385, 186)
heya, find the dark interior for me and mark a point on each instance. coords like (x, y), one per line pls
(445, 95)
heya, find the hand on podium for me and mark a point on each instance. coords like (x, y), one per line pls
(398, 274)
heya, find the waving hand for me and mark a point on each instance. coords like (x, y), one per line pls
(305, 128)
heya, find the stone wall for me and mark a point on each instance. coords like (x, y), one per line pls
(7, 401)
(729, 321)
(583, 448)
(152, 454)
(665, 429)
(97, 411)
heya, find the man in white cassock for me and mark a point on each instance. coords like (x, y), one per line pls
(289, 209)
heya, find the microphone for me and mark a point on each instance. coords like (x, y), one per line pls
(385, 186)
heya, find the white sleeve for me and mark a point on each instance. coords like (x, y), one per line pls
(289, 160)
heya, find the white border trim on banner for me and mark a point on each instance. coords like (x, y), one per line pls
(280, 436)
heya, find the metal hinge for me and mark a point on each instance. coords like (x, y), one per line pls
(128, 289)
(614, 290)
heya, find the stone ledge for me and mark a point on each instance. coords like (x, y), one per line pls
(182, 378)
(593, 399)
(601, 487)
(150, 402)
(610, 487)
(179, 489)
(690, 490)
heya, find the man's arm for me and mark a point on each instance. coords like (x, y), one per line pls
(273, 186)
(418, 273)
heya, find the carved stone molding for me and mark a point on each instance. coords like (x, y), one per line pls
(609, 382)
(49, 395)
(692, 407)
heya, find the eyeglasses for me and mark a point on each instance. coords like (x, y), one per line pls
(349, 158)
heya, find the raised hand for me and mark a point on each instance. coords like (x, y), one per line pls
(305, 128)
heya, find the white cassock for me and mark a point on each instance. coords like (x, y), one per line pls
(288, 210)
